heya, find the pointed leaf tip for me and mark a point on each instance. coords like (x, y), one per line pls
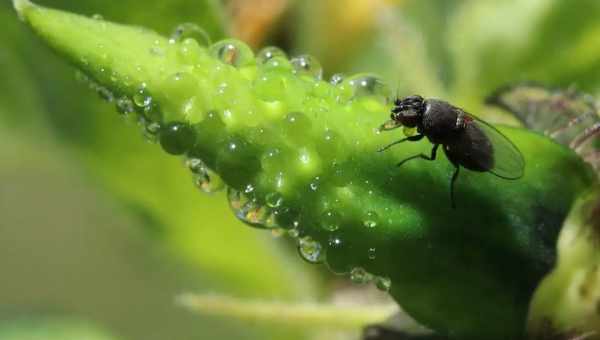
(21, 6)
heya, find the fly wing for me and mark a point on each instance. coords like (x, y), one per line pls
(508, 162)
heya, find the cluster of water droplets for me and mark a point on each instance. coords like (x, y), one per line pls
(286, 86)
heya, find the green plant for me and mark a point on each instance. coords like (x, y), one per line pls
(297, 153)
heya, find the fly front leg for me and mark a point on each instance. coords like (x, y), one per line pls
(414, 138)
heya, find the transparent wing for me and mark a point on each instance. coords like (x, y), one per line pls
(508, 162)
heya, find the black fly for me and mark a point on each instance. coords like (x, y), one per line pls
(467, 141)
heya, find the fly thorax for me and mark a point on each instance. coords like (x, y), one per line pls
(440, 121)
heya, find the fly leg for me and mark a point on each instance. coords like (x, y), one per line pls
(414, 138)
(452, 181)
(422, 156)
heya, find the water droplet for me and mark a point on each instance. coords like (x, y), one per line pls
(336, 79)
(294, 233)
(177, 138)
(190, 31)
(330, 220)
(310, 250)
(153, 128)
(105, 94)
(272, 160)
(142, 98)
(237, 162)
(97, 17)
(337, 254)
(331, 145)
(208, 181)
(383, 283)
(372, 253)
(314, 184)
(125, 106)
(269, 53)
(365, 84)
(274, 199)
(307, 65)
(371, 219)
(246, 209)
(286, 217)
(195, 165)
(296, 126)
(360, 276)
(277, 64)
(269, 87)
(233, 52)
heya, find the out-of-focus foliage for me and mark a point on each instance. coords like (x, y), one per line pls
(40, 96)
(51, 330)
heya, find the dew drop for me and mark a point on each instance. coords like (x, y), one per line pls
(383, 283)
(274, 199)
(272, 159)
(330, 145)
(125, 106)
(336, 79)
(330, 220)
(310, 250)
(177, 138)
(269, 87)
(286, 217)
(152, 128)
(190, 30)
(232, 52)
(314, 184)
(365, 84)
(360, 276)
(294, 233)
(371, 219)
(307, 65)
(205, 179)
(142, 98)
(337, 254)
(277, 64)
(195, 165)
(269, 53)
(105, 94)
(246, 209)
(97, 16)
(372, 253)
(296, 126)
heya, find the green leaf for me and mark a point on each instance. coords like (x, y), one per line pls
(298, 153)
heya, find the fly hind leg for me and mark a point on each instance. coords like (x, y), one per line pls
(452, 181)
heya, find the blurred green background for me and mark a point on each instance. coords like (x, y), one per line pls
(100, 230)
